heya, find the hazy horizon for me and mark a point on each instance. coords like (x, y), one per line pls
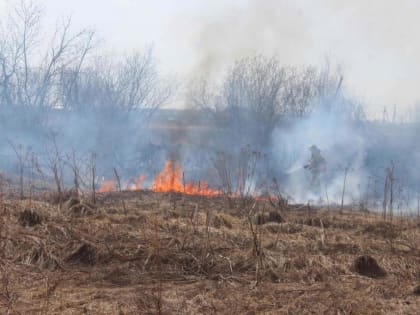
(375, 44)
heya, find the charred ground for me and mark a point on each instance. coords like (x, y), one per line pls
(146, 253)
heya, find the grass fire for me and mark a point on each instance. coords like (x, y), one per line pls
(229, 168)
(169, 179)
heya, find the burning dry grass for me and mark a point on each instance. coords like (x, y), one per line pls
(172, 253)
(169, 179)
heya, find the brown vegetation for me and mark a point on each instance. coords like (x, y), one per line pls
(165, 253)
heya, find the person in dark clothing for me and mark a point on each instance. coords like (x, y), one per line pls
(316, 165)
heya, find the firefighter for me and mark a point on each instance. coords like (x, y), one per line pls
(316, 165)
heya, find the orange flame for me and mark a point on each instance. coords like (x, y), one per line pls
(170, 178)
(107, 186)
(137, 185)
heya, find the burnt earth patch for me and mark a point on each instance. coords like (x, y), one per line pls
(29, 217)
(84, 254)
(367, 266)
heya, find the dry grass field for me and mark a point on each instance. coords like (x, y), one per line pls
(165, 253)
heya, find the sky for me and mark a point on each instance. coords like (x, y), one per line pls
(375, 43)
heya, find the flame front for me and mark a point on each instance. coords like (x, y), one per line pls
(170, 178)
(107, 186)
(137, 185)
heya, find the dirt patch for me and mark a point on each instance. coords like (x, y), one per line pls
(367, 266)
(416, 290)
(29, 217)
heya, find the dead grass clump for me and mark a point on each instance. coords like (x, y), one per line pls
(76, 207)
(121, 275)
(54, 197)
(138, 218)
(343, 248)
(291, 228)
(220, 220)
(300, 262)
(204, 265)
(244, 263)
(317, 222)
(273, 228)
(29, 217)
(380, 290)
(150, 258)
(285, 228)
(85, 254)
(199, 304)
(169, 214)
(272, 216)
(41, 257)
(71, 202)
(367, 266)
(383, 229)
(144, 302)
(342, 225)
(270, 275)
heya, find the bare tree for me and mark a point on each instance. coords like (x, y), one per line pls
(224, 168)
(248, 161)
(29, 73)
(257, 93)
(55, 163)
(92, 167)
(117, 98)
(301, 89)
(118, 179)
(22, 155)
(247, 100)
(238, 174)
(16, 45)
(346, 171)
(75, 164)
(388, 191)
(110, 88)
(33, 167)
(50, 76)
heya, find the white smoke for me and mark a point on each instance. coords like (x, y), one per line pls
(342, 145)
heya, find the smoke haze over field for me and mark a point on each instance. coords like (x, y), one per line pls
(80, 107)
(375, 42)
